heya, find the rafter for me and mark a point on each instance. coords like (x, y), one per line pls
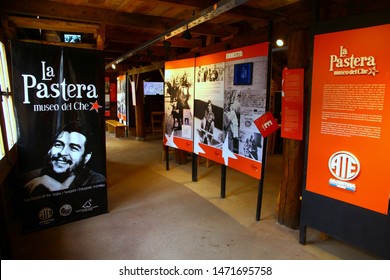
(53, 10)
(55, 25)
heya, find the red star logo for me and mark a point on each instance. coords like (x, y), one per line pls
(95, 106)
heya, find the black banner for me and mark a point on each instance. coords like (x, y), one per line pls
(59, 102)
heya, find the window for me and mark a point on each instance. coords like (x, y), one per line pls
(6, 102)
(2, 153)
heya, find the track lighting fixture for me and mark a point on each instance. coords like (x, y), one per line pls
(186, 34)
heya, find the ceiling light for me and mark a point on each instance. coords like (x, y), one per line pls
(113, 66)
(279, 42)
(186, 35)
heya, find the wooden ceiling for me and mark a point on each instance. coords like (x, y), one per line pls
(137, 28)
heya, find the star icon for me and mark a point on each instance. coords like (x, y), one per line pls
(170, 140)
(197, 148)
(372, 71)
(226, 153)
(95, 106)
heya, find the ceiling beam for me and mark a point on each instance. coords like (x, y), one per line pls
(62, 44)
(246, 12)
(54, 10)
(145, 69)
(55, 25)
(204, 16)
(50, 9)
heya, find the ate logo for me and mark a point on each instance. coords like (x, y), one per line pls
(344, 166)
(266, 124)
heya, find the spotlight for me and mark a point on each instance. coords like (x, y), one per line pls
(186, 35)
(167, 45)
(279, 42)
(113, 66)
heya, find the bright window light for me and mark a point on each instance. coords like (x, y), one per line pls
(6, 100)
(1, 145)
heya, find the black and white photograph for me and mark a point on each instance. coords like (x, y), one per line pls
(210, 73)
(121, 99)
(231, 118)
(250, 145)
(208, 119)
(179, 86)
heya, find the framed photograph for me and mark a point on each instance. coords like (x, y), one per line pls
(243, 73)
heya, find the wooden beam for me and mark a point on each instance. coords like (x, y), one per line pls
(72, 45)
(55, 25)
(195, 5)
(54, 10)
(294, 150)
(127, 36)
(145, 69)
(162, 74)
(101, 37)
(232, 43)
(242, 11)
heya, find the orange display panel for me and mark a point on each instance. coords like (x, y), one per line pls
(292, 103)
(230, 94)
(349, 133)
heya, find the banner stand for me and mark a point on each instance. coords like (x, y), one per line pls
(265, 141)
(223, 181)
(166, 157)
(233, 88)
(356, 212)
(59, 98)
(261, 181)
(194, 167)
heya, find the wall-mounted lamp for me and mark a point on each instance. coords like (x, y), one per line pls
(186, 34)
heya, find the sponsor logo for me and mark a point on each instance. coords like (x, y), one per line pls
(87, 206)
(65, 210)
(342, 185)
(46, 216)
(344, 166)
(45, 213)
(345, 64)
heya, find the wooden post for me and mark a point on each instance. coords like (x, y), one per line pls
(139, 110)
(293, 150)
(181, 156)
(101, 37)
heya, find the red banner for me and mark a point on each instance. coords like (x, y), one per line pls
(292, 103)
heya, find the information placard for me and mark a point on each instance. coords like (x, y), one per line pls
(350, 117)
(292, 103)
